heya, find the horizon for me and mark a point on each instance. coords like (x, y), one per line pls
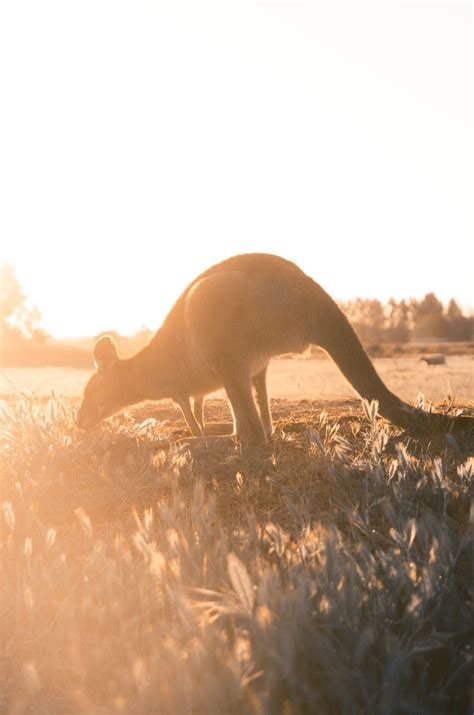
(143, 144)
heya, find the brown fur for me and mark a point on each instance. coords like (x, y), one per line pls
(222, 332)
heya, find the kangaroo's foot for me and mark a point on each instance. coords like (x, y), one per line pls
(203, 444)
(252, 439)
(225, 428)
(248, 446)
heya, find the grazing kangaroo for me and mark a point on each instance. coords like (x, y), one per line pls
(222, 332)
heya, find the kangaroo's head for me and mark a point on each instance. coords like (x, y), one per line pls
(108, 389)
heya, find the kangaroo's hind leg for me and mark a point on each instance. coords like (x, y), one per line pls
(260, 384)
(238, 385)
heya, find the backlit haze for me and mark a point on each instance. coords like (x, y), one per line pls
(142, 142)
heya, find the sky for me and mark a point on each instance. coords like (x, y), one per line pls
(141, 142)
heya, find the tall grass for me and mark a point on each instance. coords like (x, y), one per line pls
(333, 576)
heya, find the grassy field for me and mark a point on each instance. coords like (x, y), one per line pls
(291, 379)
(332, 573)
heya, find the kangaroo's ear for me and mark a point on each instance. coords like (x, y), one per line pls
(105, 352)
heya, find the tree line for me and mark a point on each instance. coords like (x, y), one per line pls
(409, 320)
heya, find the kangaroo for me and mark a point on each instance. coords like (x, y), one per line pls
(222, 332)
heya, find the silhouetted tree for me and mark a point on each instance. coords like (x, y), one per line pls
(17, 320)
(367, 317)
(400, 321)
(458, 327)
(429, 320)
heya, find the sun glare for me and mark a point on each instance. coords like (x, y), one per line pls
(143, 144)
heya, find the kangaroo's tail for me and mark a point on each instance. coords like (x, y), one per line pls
(333, 332)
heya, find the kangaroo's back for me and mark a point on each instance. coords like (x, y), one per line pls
(271, 280)
(258, 302)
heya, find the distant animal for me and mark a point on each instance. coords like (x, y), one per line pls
(222, 332)
(436, 359)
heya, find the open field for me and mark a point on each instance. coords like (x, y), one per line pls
(331, 573)
(292, 379)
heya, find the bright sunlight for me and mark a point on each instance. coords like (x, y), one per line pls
(144, 142)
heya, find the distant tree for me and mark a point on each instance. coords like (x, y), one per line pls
(458, 327)
(453, 312)
(430, 305)
(18, 321)
(399, 321)
(11, 295)
(367, 317)
(429, 321)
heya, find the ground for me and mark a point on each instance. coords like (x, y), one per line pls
(329, 573)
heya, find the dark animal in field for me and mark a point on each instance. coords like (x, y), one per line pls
(223, 331)
(437, 359)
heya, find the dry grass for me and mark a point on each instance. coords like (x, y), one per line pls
(331, 574)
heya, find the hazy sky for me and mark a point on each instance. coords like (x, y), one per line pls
(142, 141)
